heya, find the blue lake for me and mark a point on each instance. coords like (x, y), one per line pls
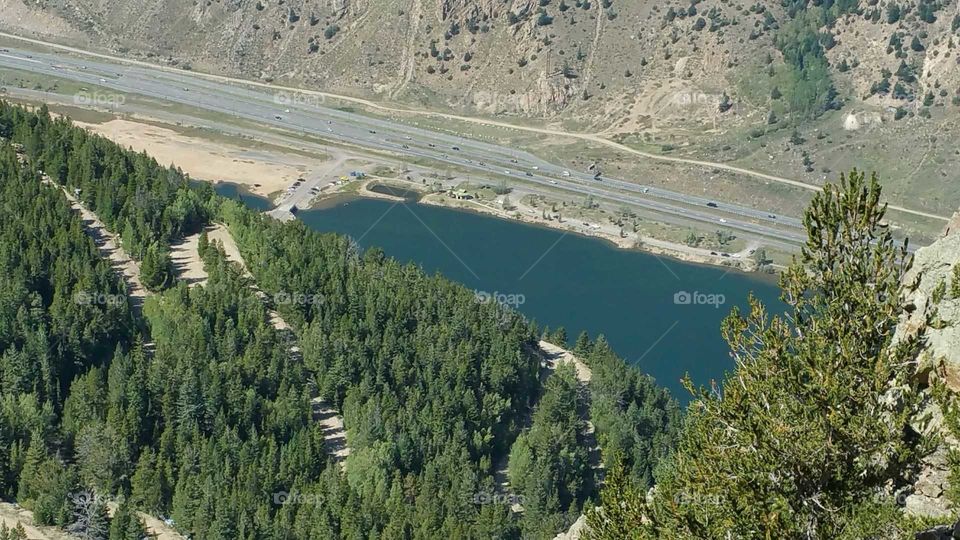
(637, 300)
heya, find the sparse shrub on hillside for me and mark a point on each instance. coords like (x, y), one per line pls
(916, 45)
(882, 87)
(893, 13)
(906, 73)
(926, 11)
(901, 112)
(331, 31)
(725, 103)
(900, 91)
(544, 19)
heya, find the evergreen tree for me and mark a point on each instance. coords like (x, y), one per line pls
(126, 525)
(803, 438)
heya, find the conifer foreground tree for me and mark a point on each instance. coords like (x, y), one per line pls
(805, 437)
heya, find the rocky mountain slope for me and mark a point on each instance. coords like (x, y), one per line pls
(607, 64)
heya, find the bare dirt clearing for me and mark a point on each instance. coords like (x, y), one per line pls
(12, 514)
(262, 173)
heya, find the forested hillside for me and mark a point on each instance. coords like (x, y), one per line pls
(211, 424)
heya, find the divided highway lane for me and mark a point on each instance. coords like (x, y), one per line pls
(382, 134)
(405, 137)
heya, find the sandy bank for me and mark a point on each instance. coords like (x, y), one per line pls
(262, 173)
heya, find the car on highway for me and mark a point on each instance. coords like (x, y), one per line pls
(529, 174)
(712, 204)
(566, 173)
(372, 130)
(278, 117)
(722, 220)
(506, 171)
(431, 145)
(457, 148)
(407, 146)
(771, 216)
(535, 168)
(554, 182)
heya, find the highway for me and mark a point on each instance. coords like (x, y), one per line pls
(307, 114)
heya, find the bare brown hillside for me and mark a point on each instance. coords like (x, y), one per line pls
(607, 60)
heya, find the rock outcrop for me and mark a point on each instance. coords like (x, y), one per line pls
(930, 290)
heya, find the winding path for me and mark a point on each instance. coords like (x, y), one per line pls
(187, 260)
(110, 247)
(551, 356)
(324, 413)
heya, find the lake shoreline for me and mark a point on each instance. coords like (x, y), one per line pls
(740, 261)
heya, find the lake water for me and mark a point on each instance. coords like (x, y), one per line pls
(234, 191)
(659, 314)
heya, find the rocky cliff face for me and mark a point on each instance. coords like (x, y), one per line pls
(932, 287)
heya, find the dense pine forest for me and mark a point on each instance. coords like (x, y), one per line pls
(196, 409)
